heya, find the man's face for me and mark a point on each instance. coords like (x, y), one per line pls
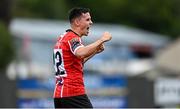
(85, 23)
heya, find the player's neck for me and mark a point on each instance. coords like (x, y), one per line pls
(77, 31)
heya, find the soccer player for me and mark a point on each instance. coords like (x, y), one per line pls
(69, 56)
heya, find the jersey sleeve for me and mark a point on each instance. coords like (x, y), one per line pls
(74, 44)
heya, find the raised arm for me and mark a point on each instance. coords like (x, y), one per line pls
(91, 49)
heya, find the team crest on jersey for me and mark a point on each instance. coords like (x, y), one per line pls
(74, 43)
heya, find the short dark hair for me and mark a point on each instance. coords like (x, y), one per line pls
(77, 12)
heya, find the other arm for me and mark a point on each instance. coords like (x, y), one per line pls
(91, 49)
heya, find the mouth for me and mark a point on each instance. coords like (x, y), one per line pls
(87, 30)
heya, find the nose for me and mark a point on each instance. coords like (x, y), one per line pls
(91, 22)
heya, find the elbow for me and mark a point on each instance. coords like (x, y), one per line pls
(80, 55)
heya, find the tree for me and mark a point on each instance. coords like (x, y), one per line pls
(7, 92)
(5, 11)
(6, 47)
(55, 9)
(160, 16)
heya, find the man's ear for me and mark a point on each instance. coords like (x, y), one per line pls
(77, 21)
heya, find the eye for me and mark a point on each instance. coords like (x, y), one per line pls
(89, 19)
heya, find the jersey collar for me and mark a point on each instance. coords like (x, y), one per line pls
(69, 30)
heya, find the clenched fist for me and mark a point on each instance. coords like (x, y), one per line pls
(106, 37)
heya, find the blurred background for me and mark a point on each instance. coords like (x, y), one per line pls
(140, 67)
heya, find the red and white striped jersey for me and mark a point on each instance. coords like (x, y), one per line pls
(68, 67)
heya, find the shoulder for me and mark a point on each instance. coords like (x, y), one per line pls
(71, 38)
